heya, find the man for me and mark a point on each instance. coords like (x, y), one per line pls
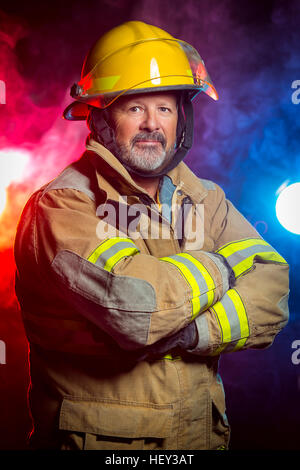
(133, 274)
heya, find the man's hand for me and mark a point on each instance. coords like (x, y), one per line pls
(184, 339)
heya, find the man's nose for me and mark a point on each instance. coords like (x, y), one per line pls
(150, 121)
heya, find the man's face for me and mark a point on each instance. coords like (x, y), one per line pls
(145, 129)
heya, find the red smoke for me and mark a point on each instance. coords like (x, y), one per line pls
(50, 143)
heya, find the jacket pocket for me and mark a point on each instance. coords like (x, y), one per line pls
(109, 424)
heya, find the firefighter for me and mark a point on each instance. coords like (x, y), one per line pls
(133, 274)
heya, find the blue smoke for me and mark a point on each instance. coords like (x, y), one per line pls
(248, 142)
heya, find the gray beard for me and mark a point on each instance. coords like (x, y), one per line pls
(145, 158)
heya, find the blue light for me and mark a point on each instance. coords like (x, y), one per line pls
(287, 208)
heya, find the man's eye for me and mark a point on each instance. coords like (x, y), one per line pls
(134, 109)
(164, 109)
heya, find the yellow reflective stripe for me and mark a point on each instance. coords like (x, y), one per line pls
(198, 278)
(108, 243)
(232, 318)
(209, 282)
(112, 250)
(223, 322)
(238, 245)
(208, 279)
(247, 263)
(239, 344)
(245, 251)
(169, 357)
(241, 311)
(190, 280)
(196, 307)
(272, 256)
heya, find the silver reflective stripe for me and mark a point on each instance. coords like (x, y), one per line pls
(194, 271)
(203, 335)
(222, 268)
(232, 317)
(241, 254)
(237, 257)
(113, 250)
(199, 279)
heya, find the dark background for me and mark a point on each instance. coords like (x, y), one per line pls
(248, 142)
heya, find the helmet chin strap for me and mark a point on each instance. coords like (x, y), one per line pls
(98, 123)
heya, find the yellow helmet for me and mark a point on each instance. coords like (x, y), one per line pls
(136, 57)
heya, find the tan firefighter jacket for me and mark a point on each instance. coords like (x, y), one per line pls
(103, 271)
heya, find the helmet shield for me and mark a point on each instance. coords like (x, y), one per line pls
(142, 66)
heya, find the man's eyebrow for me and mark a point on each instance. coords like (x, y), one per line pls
(131, 103)
(140, 102)
(167, 103)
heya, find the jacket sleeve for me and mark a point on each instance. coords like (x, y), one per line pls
(135, 298)
(255, 309)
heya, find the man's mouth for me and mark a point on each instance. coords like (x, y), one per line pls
(148, 140)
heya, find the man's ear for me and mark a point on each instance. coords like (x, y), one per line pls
(100, 128)
(180, 121)
(107, 115)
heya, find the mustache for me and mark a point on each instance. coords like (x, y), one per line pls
(148, 136)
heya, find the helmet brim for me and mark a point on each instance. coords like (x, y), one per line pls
(79, 110)
(76, 111)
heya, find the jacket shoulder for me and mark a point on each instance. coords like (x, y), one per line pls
(79, 176)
